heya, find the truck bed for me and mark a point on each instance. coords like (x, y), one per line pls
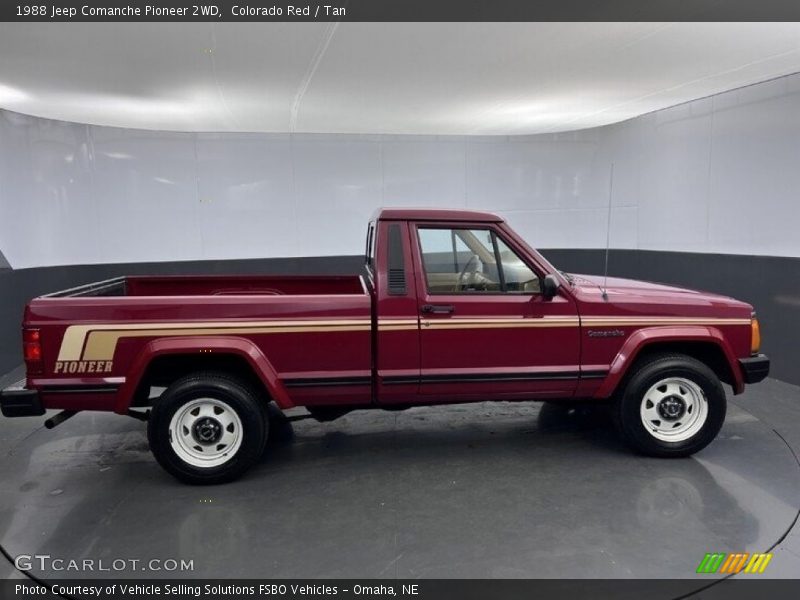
(305, 329)
(218, 285)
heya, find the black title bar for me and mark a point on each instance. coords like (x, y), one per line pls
(399, 10)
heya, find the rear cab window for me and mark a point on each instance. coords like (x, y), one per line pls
(369, 255)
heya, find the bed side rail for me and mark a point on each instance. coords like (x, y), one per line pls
(108, 287)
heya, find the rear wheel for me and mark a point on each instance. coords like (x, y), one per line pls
(673, 405)
(207, 428)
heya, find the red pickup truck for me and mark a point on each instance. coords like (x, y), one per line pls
(453, 307)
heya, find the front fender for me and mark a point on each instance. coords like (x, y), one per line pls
(647, 337)
(186, 345)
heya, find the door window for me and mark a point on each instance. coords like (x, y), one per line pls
(468, 261)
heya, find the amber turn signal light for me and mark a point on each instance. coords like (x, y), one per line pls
(755, 336)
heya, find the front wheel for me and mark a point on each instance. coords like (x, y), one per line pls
(672, 406)
(207, 428)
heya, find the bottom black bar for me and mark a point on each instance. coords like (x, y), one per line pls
(712, 588)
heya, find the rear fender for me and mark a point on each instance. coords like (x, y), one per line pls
(188, 346)
(647, 337)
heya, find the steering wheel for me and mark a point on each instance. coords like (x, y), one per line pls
(472, 266)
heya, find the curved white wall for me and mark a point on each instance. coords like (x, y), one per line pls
(715, 175)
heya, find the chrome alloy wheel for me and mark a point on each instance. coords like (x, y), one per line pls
(674, 409)
(205, 432)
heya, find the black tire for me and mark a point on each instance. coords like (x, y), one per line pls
(227, 394)
(645, 376)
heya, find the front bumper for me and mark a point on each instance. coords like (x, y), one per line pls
(18, 401)
(755, 368)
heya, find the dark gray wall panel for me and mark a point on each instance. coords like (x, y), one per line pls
(771, 284)
(3, 262)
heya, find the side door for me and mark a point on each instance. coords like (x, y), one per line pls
(486, 330)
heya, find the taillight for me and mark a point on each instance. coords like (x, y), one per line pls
(32, 350)
(755, 336)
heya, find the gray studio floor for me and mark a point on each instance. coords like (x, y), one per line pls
(486, 490)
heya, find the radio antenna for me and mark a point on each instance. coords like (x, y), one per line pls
(608, 232)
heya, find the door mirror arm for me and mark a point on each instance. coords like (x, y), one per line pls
(550, 286)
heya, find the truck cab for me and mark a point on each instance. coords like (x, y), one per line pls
(466, 311)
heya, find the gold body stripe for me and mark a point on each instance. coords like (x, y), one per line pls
(99, 341)
(500, 323)
(398, 324)
(72, 346)
(654, 321)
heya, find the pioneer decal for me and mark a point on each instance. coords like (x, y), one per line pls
(83, 366)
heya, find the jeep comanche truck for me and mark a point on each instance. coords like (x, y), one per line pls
(452, 307)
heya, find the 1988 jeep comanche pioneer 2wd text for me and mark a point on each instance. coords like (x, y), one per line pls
(453, 307)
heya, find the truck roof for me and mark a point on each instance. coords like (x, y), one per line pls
(433, 214)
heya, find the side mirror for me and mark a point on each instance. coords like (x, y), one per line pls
(550, 286)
